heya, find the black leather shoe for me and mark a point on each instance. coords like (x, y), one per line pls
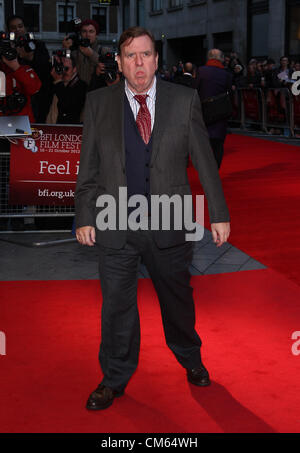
(102, 397)
(198, 376)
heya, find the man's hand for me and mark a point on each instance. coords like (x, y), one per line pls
(87, 51)
(25, 55)
(100, 69)
(12, 64)
(220, 232)
(56, 77)
(86, 235)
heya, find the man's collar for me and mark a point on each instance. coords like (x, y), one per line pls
(151, 92)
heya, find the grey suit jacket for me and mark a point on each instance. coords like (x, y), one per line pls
(178, 132)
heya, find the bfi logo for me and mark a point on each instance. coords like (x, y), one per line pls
(2, 343)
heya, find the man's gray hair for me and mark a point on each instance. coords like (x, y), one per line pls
(216, 54)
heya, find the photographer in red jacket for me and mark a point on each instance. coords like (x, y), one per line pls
(20, 80)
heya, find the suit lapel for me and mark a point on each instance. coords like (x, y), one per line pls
(162, 105)
(117, 118)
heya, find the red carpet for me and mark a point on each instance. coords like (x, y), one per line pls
(262, 188)
(246, 320)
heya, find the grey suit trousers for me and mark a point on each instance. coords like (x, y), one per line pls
(169, 271)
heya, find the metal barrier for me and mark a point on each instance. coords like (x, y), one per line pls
(236, 107)
(296, 113)
(266, 109)
(9, 212)
(253, 112)
(279, 109)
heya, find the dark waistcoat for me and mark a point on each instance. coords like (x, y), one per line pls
(138, 156)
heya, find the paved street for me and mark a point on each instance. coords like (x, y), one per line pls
(57, 256)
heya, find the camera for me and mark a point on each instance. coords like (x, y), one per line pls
(78, 40)
(111, 66)
(13, 103)
(26, 41)
(57, 56)
(6, 48)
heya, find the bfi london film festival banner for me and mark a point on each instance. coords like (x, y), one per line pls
(44, 166)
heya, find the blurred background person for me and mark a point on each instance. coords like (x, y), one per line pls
(238, 79)
(19, 79)
(186, 78)
(69, 95)
(269, 72)
(174, 74)
(86, 58)
(212, 80)
(36, 56)
(252, 78)
(283, 74)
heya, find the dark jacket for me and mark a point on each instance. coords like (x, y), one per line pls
(212, 81)
(71, 100)
(186, 80)
(174, 137)
(278, 83)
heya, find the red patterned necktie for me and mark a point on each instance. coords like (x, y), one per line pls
(143, 119)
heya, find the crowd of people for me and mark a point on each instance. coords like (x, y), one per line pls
(257, 74)
(55, 92)
(58, 97)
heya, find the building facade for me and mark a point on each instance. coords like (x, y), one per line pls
(186, 29)
(48, 19)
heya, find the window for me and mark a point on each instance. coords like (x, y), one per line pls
(259, 35)
(65, 14)
(258, 28)
(293, 29)
(99, 14)
(156, 5)
(175, 3)
(126, 14)
(32, 17)
(140, 13)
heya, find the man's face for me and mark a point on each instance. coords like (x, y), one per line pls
(138, 62)
(17, 26)
(89, 32)
(69, 71)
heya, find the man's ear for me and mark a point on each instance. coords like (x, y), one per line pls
(156, 60)
(118, 59)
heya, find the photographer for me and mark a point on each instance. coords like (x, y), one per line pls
(21, 83)
(86, 57)
(106, 72)
(34, 53)
(69, 93)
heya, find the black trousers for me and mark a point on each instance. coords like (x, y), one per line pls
(217, 145)
(169, 271)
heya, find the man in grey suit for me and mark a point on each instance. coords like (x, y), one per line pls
(138, 135)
